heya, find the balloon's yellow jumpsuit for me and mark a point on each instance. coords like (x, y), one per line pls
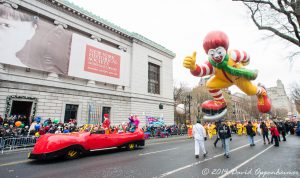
(222, 79)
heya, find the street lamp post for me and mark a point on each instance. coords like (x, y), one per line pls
(198, 113)
(235, 111)
(188, 102)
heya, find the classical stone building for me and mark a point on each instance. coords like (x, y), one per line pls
(279, 98)
(240, 102)
(76, 65)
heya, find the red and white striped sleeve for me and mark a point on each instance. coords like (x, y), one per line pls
(239, 56)
(205, 69)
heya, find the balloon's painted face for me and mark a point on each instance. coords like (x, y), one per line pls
(217, 54)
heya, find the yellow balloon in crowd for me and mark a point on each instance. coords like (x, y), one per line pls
(37, 134)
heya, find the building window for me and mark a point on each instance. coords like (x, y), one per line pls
(94, 113)
(106, 110)
(153, 78)
(22, 109)
(70, 112)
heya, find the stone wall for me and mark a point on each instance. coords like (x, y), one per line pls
(51, 103)
(54, 91)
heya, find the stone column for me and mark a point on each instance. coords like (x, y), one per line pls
(123, 48)
(2, 68)
(91, 83)
(53, 76)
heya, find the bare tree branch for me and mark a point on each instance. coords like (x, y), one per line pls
(266, 2)
(281, 17)
(289, 19)
(295, 95)
(269, 28)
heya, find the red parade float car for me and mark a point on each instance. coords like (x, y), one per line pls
(72, 145)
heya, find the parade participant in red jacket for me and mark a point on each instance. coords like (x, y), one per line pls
(275, 134)
(106, 123)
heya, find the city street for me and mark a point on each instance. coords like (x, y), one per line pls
(79, 76)
(170, 158)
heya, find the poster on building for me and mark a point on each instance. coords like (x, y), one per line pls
(96, 61)
(101, 62)
(28, 40)
(154, 121)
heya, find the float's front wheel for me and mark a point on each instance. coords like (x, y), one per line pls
(72, 153)
(131, 146)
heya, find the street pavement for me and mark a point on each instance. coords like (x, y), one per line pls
(170, 157)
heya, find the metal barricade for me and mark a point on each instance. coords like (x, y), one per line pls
(1, 144)
(12, 143)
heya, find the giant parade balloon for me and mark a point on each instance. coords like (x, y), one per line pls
(226, 68)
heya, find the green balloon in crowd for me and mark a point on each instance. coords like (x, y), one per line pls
(55, 121)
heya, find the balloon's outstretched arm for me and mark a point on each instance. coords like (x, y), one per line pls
(240, 56)
(203, 70)
(189, 62)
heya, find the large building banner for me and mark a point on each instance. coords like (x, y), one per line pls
(28, 40)
(92, 60)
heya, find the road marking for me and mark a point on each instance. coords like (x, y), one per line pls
(16, 151)
(16, 162)
(157, 151)
(102, 149)
(236, 148)
(167, 142)
(156, 143)
(227, 173)
(240, 165)
(196, 163)
(184, 167)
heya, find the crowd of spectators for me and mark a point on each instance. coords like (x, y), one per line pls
(9, 128)
(36, 128)
(164, 131)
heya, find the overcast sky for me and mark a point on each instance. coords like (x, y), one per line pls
(180, 25)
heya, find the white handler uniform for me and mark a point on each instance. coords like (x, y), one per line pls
(199, 133)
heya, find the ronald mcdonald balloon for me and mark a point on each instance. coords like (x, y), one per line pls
(226, 68)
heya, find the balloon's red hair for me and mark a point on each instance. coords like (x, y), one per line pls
(215, 39)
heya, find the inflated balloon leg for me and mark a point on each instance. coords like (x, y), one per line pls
(215, 116)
